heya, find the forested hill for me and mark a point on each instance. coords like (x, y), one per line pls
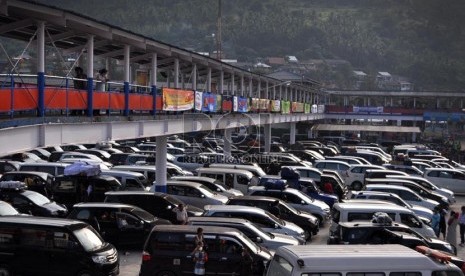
(420, 39)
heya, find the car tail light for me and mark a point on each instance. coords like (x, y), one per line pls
(463, 268)
(146, 256)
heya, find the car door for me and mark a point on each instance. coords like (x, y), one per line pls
(224, 255)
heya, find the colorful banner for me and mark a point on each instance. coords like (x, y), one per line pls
(264, 105)
(219, 99)
(275, 105)
(242, 104)
(285, 107)
(198, 101)
(307, 108)
(227, 105)
(235, 104)
(255, 105)
(208, 102)
(177, 100)
(297, 107)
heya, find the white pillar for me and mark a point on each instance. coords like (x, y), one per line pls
(292, 134)
(209, 80)
(41, 46)
(221, 83)
(176, 73)
(267, 134)
(233, 84)
(242, 86)
(227, 143)
(259, 89)
(90, 56)
(153, 71)
(250, 87)
(160, 164)
(194, 77)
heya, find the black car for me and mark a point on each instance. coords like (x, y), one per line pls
(385, 233)
(30, 202)
(158, 204)
(305, 220)
(119, 224)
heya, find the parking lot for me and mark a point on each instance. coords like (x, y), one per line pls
(131, 259)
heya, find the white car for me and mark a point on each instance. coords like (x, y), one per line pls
(356, 174)
(334, 165)
(451, 179)
(405, 193)
(190, 162)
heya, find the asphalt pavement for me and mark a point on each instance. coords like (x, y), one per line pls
(130, 260)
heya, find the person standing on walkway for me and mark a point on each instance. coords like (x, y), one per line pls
(451, 236)
(200, 258)
(435, 221)
(462, 226)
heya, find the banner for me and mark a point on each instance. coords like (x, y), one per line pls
(208, 102)
(307, 108)
(198, 101)
(219, 99)
(275, 105)
(242, 104)
(235, 105)
(368, 109)
(297, 107)
(227, 105)
(255, 105)
(264, 105)
(285, 107)
(177, 100)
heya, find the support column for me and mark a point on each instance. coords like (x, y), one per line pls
(194, 77)
(292, 134)
(90, 77)
(250, 87)
(127, 78)
(40, 68)
(160, 164)
(259, 89)
(227, 143)
(242, 85)
(414, 134)
(267, 93)
(233, 84)
(153, 80)
(267, 137)
(209, 80)
(221, 83)
(176, 73)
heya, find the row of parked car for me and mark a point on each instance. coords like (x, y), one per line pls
(279, 200)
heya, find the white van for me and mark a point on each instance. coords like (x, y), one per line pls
(233, 178)
(132, 181)
(356, 260)
(347, 212)
(255, 169)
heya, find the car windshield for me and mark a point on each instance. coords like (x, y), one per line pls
(88, 238)
(206, 191)
(275, 219)
(257, 229)
(143, 214)
(250, 243)
(37, 198)
(7, 210)
(174, 201)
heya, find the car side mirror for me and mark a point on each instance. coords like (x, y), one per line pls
(303, 202)
(276, 226)
(202, 196)
(259, 240)
(169, 207)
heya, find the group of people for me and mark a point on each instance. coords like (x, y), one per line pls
(81, 79)
(448, 228)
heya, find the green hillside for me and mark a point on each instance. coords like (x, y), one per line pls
(419, 39)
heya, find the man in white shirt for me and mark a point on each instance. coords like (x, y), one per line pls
(181, 214)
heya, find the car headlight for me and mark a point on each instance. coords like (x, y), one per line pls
(100, 259)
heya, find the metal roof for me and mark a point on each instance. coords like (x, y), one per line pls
(329, 127)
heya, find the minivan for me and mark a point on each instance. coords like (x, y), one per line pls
(158, 204)
(52, 168)
(347, 212)
(270, 240)
(168, 251)
(234, 178)
(262, 218)
(51, 246)
(120, 224)
(131, 181)
(211, 183)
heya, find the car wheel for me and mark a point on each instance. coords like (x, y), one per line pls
(4, 271)
(85, 273)
(166, 273)
(357, 186)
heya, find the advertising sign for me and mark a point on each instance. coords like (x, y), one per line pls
(307, 108)
(208, 102)
(255, 104)
(275, 105)
(242, 104)
(264, 105)
(227, 105)
(285, 107)
(177, 99)
(198, 101)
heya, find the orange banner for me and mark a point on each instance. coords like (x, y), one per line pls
(177, 100)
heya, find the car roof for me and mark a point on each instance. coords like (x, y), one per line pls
(371, 207)
(233, 208)
(43, 221)
(103, 205)
(224, 170)
(370, 224)
(395, 187)
(219, 220)
(193, 228)
(183, 183)
(255, 198)
(193, 178)
(43, 175)
(262, 188)
(146, 193)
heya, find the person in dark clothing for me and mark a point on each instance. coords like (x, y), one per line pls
(442, 223)
(274, 209)
(79, 74)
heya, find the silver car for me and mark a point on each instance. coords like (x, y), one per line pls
(270, 240)
(193, 193)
